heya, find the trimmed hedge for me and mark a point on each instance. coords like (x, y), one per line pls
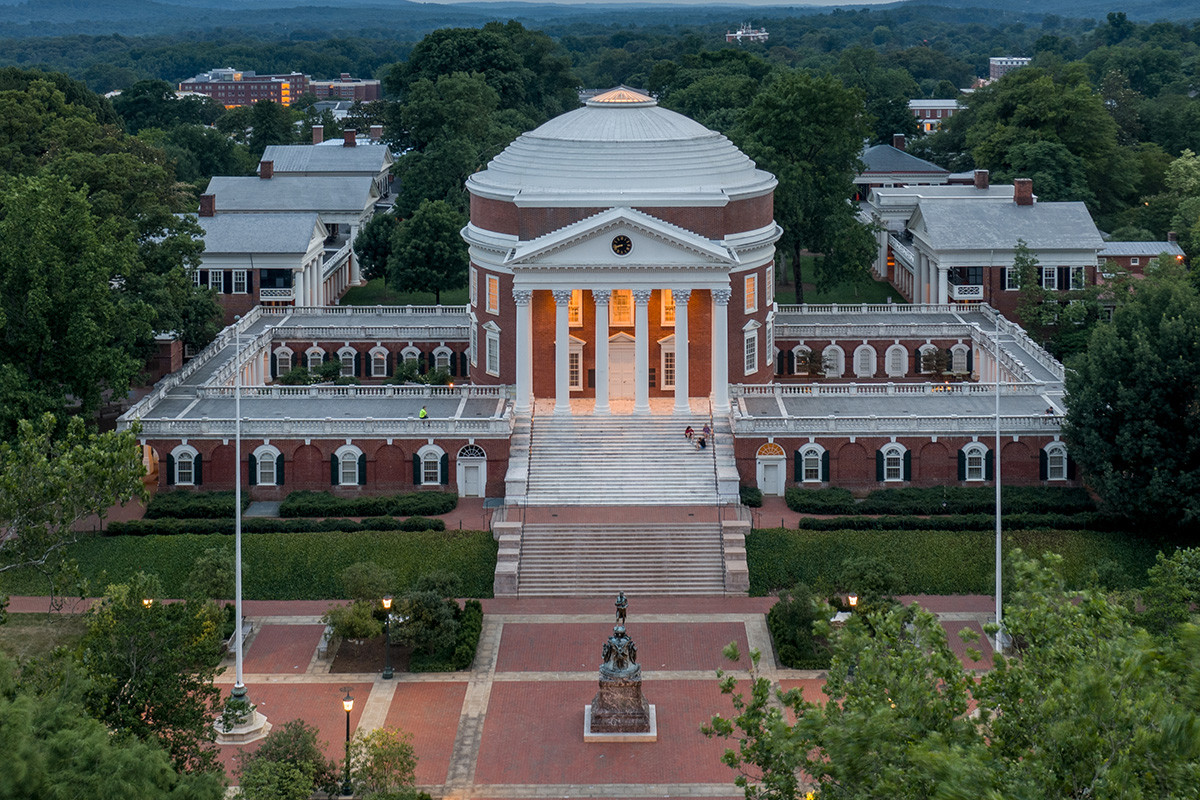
(967, 522)
(941, 562)
(977, 500)
(299, 566)
(819, 501)
(175, 527)
(193, 505)
(324, 504)
(470, 627)
(751, 496)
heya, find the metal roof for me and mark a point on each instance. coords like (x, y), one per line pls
(954, 225)
(300, 193)
(885, 158)
(1149, 249)
(258, 233)
(309, 158)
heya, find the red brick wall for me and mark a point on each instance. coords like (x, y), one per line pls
(506, 319)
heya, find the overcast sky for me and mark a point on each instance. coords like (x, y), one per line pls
(676, 2)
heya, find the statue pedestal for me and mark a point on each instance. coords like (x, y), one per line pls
(619, 712)
(651, 735)
(252, 729)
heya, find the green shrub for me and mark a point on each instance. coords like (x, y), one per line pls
(967, 522)
(819, 501)
(977, 500)
(791, 623)
(324, 504)
(423, 524)
(183, 504)
(751, 496)
(299, 566)
(172, 527)
(470, 627)
(939, 562)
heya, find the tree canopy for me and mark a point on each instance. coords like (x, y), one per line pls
(427, 252)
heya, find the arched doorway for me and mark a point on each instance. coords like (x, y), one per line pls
(471, 468)
(770, 469)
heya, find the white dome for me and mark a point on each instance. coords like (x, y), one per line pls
(621, 149)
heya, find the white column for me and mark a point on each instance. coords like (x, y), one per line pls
(720, 345)
(562, 350)
(641, 363)
(524, 401)
(355, 276)
(681, 297)
(943, 285)
(298, 288)
(601, 298)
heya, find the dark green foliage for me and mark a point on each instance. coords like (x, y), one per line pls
(791, 623)
(470, 626)
(819, 501)
(872, 579)
(367, 581)
(293, 744)
(324, 504)
(182, 504)
(751, 496)
(299, 566)
(174, 527)
(937, 562)
(977, 500)
(431, 626)
(427, 253)
(968, 522)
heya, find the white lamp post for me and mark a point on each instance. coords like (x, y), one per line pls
(999, 559)
(239, 688)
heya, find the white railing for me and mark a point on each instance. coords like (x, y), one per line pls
(867, 308)
(892, 425)
(966, 291)
(335, 261)
(884, 389)
(206, 427)
(353, 390)
(891, 330)
(274, 294)
(333, 310)
(1035, 350)
(372, 332)
(904, 255)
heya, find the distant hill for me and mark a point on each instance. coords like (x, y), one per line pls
(1137, 10)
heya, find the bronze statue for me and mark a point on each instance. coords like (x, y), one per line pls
(621, 605)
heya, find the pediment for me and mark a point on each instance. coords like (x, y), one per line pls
(621, 338)
(589, 244)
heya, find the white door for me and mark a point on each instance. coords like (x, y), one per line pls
(770, 484)
(620, 367)
(471, 482)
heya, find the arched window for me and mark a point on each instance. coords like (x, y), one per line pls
(897, 361)
(802, 361)
(410, 355)
(892, 466)
(833, 361)
(1056, 462)
(974, 462)
(958, 358)
(924, 360)
(266, 469)
(283, 360)
(266, 466)
(471, 451)
(348, 466)
(346, 356)
(379, 362)
(441, 358)
(184, 466)
(814, 467)
(315, 357)
(864, 361)
(430, 463)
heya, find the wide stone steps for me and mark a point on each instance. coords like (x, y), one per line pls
(604, 558)
(623, 460)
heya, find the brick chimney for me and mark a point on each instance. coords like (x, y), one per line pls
(266, 169)
(1172, 236)
(898, 141)
(318, 134)
(208, 205)
(376, 133)
(982, 179)
(1023, 191)
(349, 137)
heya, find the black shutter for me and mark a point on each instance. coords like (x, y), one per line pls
(390, 359)
(962, 465)
(279, 480)
(879, 465)
(250, 281)
(362, 469)
(825, 466)
(970, 361)
(1043, 465)
(453, 365)
(791, 362)
(989, 466)
(227, 281)
(253, 469)
(333, 469)
(274, 366)
(591, 379)
(908, 465)
(463, 355)
(781, 363)
(198, 466)
(444, 469)
(798, 467)
(421, 362)
(416, 470)
(326, 357)
(358, 364)
(1070, 468)
(170, 470)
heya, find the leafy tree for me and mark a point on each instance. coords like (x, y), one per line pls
(792, 623)
(151, 670)
(886, 92)
(384, 763)
(367, 581)
(49, 484)
(786, 130)
(1133, 412)
(355, 621)
(1172, 591)
(290, 763)
(373, 245)
(212, 576)
(270, 123)
(431, 624)
(428, 254)
(454, 106)
(52, 748)
(154, 104)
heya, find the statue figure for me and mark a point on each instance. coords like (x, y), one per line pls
(621, 604)
(619, 706)
(619, 655)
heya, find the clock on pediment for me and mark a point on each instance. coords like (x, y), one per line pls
(621, 245)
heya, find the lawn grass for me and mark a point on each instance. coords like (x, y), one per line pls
(27, 636)
(868, 291)
(284, 566)
(377, 293)
(942, 562)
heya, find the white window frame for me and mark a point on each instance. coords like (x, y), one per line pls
(1012, 279)
(239, 279)
(959, 358)
(1135, 261)
(492, 349)
(975, 462)
(379, 361)
(310, 354)
(283, 360)
(769, 342)
(474, 286)
(1078, 277)
(896, 351)
(1050, 278)
(833, 361)
(217, 285)
(866, 361)
(1056, 450)
(410, 354)
(620, 301)
(750, 347)
(750, 289)
(260, 454)
(474, 343)
(893, 456)
(493, 294)
(196, 277)
(668, 308)
(809, 453)
(441, 358)
(179, 454)
(575, 309)
(348, 455)
(921, 351)
(797, 352)
(431, 458)
(347, 369)
(666, 362)
(769, 284)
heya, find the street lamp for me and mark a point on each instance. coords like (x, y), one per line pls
(853, 599)
(147, 602)
(387, 638)
(348, 704)
(239, 687)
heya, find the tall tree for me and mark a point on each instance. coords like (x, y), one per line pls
(428, 253)
(788, 130)
(270, 123)
(1133, 420)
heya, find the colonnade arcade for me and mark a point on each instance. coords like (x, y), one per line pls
(710, 290)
